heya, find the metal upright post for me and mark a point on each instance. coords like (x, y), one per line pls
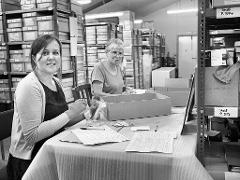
(200, 78)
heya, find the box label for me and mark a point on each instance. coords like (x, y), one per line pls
(226, 112)
(229, 12)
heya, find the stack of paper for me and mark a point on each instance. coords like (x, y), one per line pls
(98, 136)
(150, 141)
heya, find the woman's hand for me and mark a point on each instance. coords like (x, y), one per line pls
(76, 108)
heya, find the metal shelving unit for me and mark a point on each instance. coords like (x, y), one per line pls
(58, 13)
(213, 21)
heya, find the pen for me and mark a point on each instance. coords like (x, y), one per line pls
(92, 128)
(156, 128)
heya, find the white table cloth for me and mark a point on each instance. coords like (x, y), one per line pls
(72, 161)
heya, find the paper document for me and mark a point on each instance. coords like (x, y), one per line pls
(98, 136)
(150, 141)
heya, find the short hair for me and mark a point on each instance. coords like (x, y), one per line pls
(40, 43)
(116, 41)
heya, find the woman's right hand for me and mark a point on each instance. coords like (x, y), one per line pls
(76, 108)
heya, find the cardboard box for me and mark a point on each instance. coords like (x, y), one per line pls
(159, 76)
(222, 3)
(219, 94)
(179, 96)
(178, 82)
(137, 106)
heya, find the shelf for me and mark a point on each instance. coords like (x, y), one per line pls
(3, 73)
(36, 10)
(67, 72)
(96, 45)
(19, 42)
(19, 73)
(5, 101)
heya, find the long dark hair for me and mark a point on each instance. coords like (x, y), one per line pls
(41, 43)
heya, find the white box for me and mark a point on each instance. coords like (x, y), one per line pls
(159, 76)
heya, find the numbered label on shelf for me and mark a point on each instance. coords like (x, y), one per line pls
(226, 112)
(228, 12)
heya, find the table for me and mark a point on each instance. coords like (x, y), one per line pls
(70, 161)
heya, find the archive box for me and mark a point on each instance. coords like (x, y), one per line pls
(1, 22)
(16, 55)
(66, 50)
(28, 4)
(15, 81)
(1, 35)
(61, 4)
(26, 48)
(66, 63)
(27, 66)
(14, 23)
(10, 5)
(17, 66)
(4, 83)
(3, 52)
(14, 34)
(4, 94)
(45, 23)
(179, 96)
(3, 66)
(30, 33)
(218, 93)
(222, 3)
(137, 106)
(29, 19)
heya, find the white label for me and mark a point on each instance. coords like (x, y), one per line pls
(226, 112)
(228, 12)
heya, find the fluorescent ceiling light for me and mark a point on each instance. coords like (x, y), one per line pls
(103, 15)
(182, 11)
(84, 1)
(138, 21)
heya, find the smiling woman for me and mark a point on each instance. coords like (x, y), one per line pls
(40, 108)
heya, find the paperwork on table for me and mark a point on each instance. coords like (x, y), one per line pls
(151, 141)
(99, 135)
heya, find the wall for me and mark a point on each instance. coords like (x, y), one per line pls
(170, 25)
(174, 24)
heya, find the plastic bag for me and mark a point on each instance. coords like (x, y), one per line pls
(97, 110)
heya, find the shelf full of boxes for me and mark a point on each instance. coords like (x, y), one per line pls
(130, 40)
(97, 35)
(124, 19)
(153, 50)
(218, 42)
(5, 78)
(32, 19)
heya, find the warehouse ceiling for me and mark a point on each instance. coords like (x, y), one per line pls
(140, 7)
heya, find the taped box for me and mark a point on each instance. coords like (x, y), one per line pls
(218, 93)
(137, 106)
(179, 96)
(222, 3)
